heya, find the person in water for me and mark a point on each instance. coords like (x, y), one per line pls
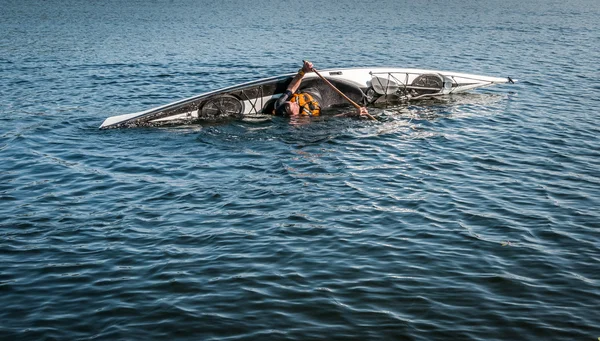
(306, 103)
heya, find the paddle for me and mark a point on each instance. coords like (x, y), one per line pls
(342, 94)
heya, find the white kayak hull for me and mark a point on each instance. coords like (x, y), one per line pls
(367, 86)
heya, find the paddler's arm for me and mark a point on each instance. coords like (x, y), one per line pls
(295, 83)
(292, 87)
(360, 112)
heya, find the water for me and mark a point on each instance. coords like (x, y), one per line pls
(471, 218)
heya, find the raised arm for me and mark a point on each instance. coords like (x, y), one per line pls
(295, 83)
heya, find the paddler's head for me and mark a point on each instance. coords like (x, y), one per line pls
(291, 108)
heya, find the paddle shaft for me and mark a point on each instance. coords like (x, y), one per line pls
(336, 89)
(341, 93)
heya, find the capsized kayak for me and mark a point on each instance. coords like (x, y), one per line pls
(366, 86)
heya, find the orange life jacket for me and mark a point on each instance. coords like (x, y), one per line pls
(308, 105)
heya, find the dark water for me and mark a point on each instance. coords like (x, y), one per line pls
(472, 218)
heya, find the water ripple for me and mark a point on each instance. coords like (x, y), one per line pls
(470, 217)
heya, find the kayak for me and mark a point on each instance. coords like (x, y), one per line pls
(366, 86)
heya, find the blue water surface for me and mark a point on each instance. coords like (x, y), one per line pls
(474, 217)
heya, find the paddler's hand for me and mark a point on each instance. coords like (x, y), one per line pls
(307, 67)
(363, 112)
